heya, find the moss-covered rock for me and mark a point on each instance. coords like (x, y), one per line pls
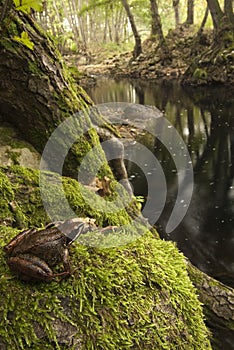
(137, 296)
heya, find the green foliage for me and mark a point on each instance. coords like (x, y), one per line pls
(26, 5)
(84, 24)
(25, 40)
(93, 4)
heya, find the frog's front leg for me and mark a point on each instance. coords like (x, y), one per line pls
(30, 267)
(66, 263)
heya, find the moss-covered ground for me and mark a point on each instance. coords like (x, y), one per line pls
(136, 296)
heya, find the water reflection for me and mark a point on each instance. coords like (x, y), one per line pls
(205, 120)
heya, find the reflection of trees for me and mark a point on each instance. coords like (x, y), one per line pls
(203, 117)
(206, 231)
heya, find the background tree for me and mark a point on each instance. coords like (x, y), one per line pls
(190, 12)
(221, 18)
(176, 4)
(203, 22)
(156, 27)
(228, 9)
(137, 48)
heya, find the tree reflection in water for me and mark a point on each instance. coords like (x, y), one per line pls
(204, 117)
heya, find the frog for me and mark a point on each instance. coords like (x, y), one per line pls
(33, 253)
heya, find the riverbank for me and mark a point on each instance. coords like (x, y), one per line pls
(194, 59)
(152, 64)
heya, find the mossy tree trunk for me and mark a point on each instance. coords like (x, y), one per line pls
(220, 16)
(135, 296)
(21, 187)
(37, 92)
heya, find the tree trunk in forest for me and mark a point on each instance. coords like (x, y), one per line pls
(190, 12)
(156, 26)
(228, 10)
(157, 32)
(216, 13)
(203, 23)
(176, 4)
(36, 90)
(37, 94)
(137, 48)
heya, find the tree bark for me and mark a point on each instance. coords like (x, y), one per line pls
(36, 90)
(218, 301)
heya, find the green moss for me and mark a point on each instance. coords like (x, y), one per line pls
(27, 208)
(8, 44)
(14, 156)
(34, 69)
(75, 73)
(26, 193)
(137, 296)
(200, 74)
(11, 137)
(7, 196)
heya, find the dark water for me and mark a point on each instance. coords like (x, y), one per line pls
(204, 118)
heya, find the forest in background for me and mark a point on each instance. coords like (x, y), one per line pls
(82, 25)
(79, 25)
(193, 38)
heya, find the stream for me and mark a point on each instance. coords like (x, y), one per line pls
(204, 118)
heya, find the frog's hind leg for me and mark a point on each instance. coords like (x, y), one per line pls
(29, 267)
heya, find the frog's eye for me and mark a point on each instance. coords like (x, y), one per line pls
(53, 224)
(74, 233)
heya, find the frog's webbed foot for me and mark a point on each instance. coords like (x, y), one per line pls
(30, 267)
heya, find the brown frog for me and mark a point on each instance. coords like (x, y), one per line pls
(32, 253)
